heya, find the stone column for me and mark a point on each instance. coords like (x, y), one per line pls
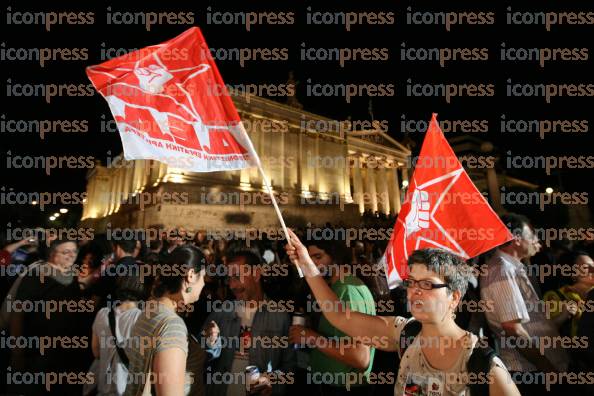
(90, 190)
(144, 175)
(395, 190)
(96, 204)
(292, 160)
(300, 164)
(113, 174)
(358, 183)
(135, 177)
(382, 187)
(244, 178)
(347, 176)
(370, 188)
(279, 163)
(162, 171)
(308, 161)
(153, 172)
(127, 183)
(120, 188)
(106, 195)
(102, 193)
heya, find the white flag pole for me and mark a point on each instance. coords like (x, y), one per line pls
(276, 209)
(268, 188)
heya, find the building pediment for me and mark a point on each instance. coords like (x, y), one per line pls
(377, 142)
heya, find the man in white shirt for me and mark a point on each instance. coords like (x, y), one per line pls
(518, 318)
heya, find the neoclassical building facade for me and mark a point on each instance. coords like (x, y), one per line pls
(320, 170)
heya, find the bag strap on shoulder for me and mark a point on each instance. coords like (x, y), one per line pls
(112, 325)
(479, 364)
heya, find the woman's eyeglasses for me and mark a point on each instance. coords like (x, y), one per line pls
(423, 284)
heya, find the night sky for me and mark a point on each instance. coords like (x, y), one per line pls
(100, 35)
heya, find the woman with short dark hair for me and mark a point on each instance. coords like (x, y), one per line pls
(111, 332)
(435, 352)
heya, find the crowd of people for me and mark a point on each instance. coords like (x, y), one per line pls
(185, 314)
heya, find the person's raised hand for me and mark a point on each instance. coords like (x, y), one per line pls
(299, 256)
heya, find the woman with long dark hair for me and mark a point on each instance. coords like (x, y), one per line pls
(162, 359)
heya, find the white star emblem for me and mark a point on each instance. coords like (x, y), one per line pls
(421, 215)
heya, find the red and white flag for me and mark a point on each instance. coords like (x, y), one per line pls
(443, 209)
(171, 104)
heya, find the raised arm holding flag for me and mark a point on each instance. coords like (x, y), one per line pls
(171, 105)
(426, 251)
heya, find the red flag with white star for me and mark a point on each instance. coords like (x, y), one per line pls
(443, 209)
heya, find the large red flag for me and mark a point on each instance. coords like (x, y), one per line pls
(171, 105)
(443, 209)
